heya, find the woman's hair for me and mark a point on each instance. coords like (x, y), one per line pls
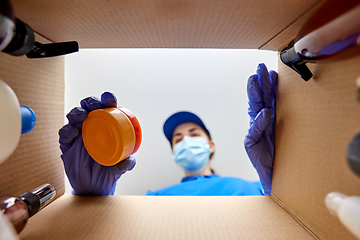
(209, 136)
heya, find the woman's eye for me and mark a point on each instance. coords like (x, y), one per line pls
(195, 134)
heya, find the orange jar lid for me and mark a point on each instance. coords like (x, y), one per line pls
(109, 136)
(136, 125)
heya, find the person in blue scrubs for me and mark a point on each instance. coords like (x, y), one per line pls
(192, 146)
(192, 150)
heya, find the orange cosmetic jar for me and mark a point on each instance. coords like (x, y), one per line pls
(111, 135)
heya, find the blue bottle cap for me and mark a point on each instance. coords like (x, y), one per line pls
(28, 119)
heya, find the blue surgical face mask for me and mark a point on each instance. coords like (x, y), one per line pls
(192, 153)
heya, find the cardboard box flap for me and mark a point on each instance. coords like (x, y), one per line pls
(316, 121)
(237, 24)
(144, 217)
(38, 84)
(281, 40)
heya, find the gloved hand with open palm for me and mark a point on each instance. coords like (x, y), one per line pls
(260, 139)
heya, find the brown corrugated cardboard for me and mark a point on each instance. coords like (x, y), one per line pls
(162, 23)
(315, 122)
(140, 217)
(282, 39)
(38, 84)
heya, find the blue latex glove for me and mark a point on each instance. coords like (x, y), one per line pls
(260, 139)
(86, 176)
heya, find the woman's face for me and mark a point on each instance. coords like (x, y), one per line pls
(191, 130)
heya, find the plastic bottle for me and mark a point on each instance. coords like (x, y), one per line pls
(7, 230)
(347, 209)
(111, 135)
(19, 209)
(332, 33)
(14, 121)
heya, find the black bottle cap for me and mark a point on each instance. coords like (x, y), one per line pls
(353, 154)
(32, 201)
(22, 41)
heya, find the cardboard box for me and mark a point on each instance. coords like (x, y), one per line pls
(315, 122)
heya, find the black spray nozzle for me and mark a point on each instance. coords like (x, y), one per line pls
(23, 42)
(40, 50)
(290, 58)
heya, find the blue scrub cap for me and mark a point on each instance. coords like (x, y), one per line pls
(179, 118)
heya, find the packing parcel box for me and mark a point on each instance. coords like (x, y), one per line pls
(315, 122)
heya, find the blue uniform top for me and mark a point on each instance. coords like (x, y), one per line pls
(211, 185)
